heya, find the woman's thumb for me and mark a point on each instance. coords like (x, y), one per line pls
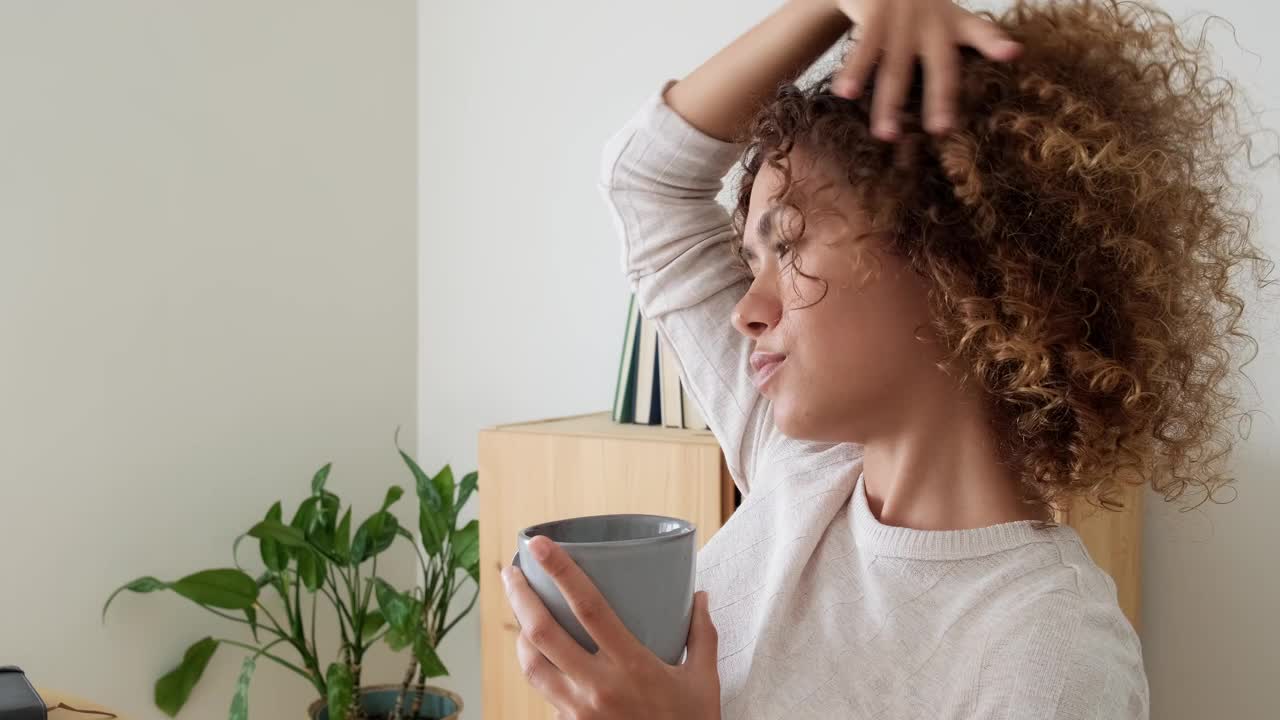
(703, 638)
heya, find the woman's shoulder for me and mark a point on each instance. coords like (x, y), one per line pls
(1072, 597)
(1086, 655)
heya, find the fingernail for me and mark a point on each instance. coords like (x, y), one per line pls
(506, 577)
(541, 548)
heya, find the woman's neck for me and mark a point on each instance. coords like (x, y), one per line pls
(939, 469)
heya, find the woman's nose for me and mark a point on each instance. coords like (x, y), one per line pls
(756, 312)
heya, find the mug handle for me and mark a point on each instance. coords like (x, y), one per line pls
(516, 559)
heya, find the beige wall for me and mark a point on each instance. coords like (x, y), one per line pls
(523, 298)
(208, 289)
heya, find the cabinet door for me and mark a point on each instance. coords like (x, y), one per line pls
(528, 478)
(1114, 541)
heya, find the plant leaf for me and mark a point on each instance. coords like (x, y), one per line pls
(326, 517)
(240, 701)
(340, 683)
(342, 538)
(288, 536)
(311, 568)
(429, 663)
(444, 485)
(144, 584)
(393, 494)
(173, 689)
(433, 530)
(374, 536)
(427, 492)
(225, 588)
(469, 483)
(274, 556)
(252, 614)
(305, 515)
(318, 480)
(402, 613)
(465, 544)
(373, 622)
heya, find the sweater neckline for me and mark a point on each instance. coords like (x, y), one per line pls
(892, 541)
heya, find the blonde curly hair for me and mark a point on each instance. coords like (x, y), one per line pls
(1080, 230)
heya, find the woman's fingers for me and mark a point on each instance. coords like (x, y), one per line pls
(543, 632)
(892, 36)
(857, 65)
(941, 78)
(541, 674)
(986, 37)
(893, 77)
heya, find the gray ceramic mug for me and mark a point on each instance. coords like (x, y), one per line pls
(643, 565)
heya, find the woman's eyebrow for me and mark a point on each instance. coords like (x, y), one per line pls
(764, 226)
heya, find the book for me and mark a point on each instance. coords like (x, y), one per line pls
(669, 379)
(624, 389)
(650, 388)
(648, 402)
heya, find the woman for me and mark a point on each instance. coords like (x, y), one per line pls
(960, 301)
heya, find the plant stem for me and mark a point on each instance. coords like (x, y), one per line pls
(443, 606)
(337, 601)
(461, 614)
(404, 689)
(268, 655)
(342, 613)
(300, 641)
(233, 618)
(420, 690)
(315, 650)
(309, 656)
(272, 618)
(368, 586)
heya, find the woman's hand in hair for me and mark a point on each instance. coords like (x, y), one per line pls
(892, 34)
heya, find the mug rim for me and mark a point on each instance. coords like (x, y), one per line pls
(686, 528)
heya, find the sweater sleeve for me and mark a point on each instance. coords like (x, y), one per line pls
(1102, 670)
(659, 176)
(1072, 658)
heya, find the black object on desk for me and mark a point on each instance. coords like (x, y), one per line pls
(18, 700)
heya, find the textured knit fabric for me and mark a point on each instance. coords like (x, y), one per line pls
(822, 611)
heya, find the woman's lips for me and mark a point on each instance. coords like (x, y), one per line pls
(766, 371)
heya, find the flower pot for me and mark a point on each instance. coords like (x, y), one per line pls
(377, 700)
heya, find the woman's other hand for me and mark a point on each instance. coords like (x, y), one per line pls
(892, 33)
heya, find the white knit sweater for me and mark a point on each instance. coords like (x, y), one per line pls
(822, 611)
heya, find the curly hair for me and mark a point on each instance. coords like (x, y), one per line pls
(1079, 230)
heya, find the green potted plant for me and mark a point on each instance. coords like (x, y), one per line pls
(317, 559)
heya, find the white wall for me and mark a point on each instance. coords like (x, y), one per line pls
(208, 289)
(522, 295)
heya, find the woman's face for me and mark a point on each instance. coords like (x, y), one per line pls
(853, 361)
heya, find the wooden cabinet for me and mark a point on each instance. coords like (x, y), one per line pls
(588, 465)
